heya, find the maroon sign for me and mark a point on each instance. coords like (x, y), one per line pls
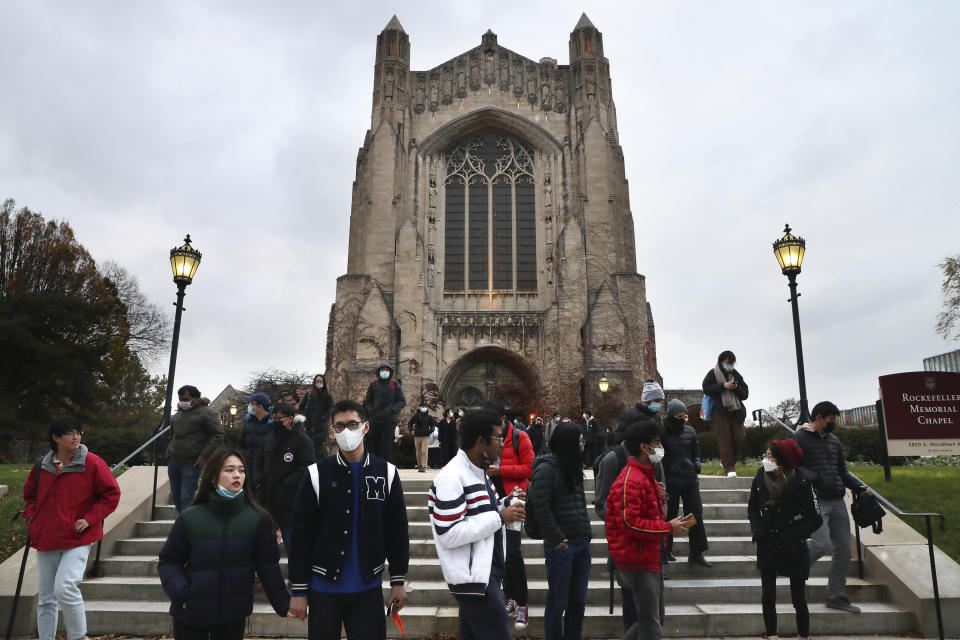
(921, 411)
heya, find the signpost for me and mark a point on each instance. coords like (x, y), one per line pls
(921, 413)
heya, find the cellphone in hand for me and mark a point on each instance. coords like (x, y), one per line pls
(689, 518)
(390, 607)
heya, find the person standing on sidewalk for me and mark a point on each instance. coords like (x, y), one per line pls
(315, 405)
(468, 522)
(783, 514)
(349, 522)
(197, 433)
(726, 388)
(422, 424)
(635, 515)
(823, 455)
(68, 494)
(382, 404)
(557, 497)
(681, 465)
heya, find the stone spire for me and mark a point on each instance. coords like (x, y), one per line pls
(394, 24)
(585, 41)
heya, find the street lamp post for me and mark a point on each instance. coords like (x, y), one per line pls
(789, 251)
(604, 386)
(233, 414)
(184, 261)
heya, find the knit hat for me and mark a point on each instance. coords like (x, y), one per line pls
(674, 407)
(651, 391)
(787, 452)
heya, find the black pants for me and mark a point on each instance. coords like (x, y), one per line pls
(691, 504)
(231, 630)
(798, 593)
(379, 440)
(362, 614)
(515, 582)
(483, 617)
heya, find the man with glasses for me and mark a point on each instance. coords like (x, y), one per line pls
(349, 517)
(467, 522)
(285, 455)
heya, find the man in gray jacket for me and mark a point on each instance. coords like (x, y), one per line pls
(196, 433)
(823, 454)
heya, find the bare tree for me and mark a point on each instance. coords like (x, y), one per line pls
(787, 410)
(148, 325)
(277, 383)
(949, 318)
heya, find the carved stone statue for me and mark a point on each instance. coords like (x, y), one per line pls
(432, 199)
(547, 192)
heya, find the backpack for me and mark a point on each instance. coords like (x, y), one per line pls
(530, 522)
(866, 511)
(498, 479)
(621, 458)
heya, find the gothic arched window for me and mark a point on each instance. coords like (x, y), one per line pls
(490, 235)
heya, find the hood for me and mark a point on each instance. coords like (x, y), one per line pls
(385, 365)
(807, 427)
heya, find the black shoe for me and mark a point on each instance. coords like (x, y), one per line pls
(671, 557)
(697, 558)
(842, 604)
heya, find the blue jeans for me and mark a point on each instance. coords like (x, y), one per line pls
(183, 484)
(567, 575)
(59, 573)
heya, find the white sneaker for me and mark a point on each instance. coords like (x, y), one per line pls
(732, 474)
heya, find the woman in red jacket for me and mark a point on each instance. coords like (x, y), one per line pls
(68, 495)
(636, 528)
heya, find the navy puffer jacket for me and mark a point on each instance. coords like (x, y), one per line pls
(681, 461)
(208, 562)
(824, 456)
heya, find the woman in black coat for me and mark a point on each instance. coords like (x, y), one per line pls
(726, 387)
(316, 406)
(783, 514)
(215, 547)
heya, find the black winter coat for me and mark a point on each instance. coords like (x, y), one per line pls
(448, 437)
(781, 529)
(316, 406)
(823, 455)
(422, 424)
(251, 441)
(562, 514)
(285, 456)
(681, 460)
(714, 389)
(384, 400)
(208, 563)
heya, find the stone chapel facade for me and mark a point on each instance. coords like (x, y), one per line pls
(491, 251)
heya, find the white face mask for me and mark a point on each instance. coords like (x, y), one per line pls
(319, 385)
(656, 456)
(384, 375)
(769, 465)
(185, 405)
(349, 439)
(585, 417)
(423, 409)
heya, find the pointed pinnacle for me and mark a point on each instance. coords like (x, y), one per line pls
(394, 25)
(584, 22)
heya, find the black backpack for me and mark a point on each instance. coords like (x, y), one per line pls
(621, 458)
(866, 511)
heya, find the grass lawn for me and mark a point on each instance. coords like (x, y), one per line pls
(13, 531)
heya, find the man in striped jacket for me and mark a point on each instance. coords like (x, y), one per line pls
(467, 522)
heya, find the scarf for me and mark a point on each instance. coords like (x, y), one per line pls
(730, 400)
(776, 483)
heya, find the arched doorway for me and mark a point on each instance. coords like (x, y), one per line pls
(491, 374)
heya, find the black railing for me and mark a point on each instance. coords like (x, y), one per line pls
(899, 512)
(95, 570)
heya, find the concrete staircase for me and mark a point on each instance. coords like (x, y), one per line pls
(723, 601)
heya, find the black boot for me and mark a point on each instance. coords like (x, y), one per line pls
(697, 558)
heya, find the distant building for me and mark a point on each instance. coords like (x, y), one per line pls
(944, 362)
(865, 416)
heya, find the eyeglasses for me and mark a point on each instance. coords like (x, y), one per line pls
(498, 439)
(353, 425)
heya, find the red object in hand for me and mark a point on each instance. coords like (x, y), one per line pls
(399, 623)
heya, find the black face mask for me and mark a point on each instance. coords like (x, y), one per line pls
(829, 427)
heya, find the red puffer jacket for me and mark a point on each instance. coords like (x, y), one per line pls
(635, 524)
(514, 472)
(84, 488)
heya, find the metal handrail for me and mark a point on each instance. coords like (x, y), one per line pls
(899, 512)
(161, 430)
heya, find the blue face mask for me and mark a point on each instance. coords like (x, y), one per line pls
(226, 494)
(654, 406)
(729, 367)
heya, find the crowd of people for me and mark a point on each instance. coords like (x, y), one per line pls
(320, 478)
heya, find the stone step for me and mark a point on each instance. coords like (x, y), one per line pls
(429, 568)
(150, 618)
(424, 547)
(436, 593)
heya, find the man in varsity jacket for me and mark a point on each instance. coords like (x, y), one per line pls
(467, 522)
(349, 516)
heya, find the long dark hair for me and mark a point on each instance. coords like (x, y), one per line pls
(565, 445)
(211, 473)
(313, 386)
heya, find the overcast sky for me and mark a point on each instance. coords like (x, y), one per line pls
(239, 122)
